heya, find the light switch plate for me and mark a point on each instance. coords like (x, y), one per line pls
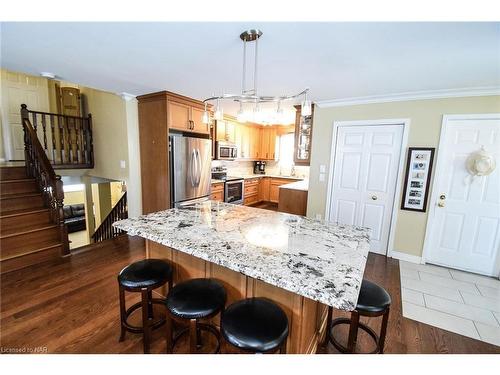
(322, 168)
(123, 164)
(322, 177)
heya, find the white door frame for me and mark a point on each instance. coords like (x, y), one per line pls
(397, 192)
(447, 121)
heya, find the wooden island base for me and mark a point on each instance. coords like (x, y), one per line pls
(306, 318)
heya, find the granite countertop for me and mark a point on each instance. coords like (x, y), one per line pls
(216, 181)
(318, 260)
(299, 185)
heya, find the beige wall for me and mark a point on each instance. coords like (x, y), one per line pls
(74, 197)
(425, 116)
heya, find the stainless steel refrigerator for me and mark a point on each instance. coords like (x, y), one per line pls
(190, 174)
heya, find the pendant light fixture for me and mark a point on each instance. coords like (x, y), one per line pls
(250, 95)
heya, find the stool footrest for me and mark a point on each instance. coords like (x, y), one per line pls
(343, 349)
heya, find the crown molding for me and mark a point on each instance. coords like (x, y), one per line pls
(408, 96)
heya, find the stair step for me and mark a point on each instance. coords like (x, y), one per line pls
(14, 246)
(26, 185)
(22, 219)
(25, 229)
(12, 173)
(11, 202)
(25, 260)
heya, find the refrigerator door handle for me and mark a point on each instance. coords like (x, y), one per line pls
(198, 156)
(192, 168)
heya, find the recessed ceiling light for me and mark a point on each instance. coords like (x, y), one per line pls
(48, 75)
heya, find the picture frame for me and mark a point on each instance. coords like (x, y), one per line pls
(417, 178)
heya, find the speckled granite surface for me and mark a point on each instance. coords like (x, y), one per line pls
(320, 261)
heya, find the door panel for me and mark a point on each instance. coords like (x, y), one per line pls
(365, 173)
(464, 232)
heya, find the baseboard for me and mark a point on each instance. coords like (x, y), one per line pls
(406, 257)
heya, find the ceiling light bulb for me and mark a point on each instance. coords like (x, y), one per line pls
(219, 112)
(206, 117)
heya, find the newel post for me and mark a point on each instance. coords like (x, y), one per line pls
(59, 200)
(90, 144)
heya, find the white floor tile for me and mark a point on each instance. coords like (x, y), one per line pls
(489, 334)
(449, 283)
(482, 302)
(441, 320)
(409, 273)
(488, 291)
(412, 296)
(429, 268)
(473, 278)
(461, 310)
(432, 289)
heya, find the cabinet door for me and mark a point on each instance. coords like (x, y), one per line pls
(272, 143)
(230, 131)
(220, 126)
(178, 116)
(197, 121)
(254, 142)
(274, 193)
(245, 141)
(264, 143)
(238, 140)
(264, 185)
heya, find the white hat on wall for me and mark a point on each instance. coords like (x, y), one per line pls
(480, 163)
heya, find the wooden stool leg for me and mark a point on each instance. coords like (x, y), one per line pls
(168, 324)
(150, 304)
(192, 336)
(383, 331)
(123, 315)
(353, 331)
(328, 326)
(145, 320)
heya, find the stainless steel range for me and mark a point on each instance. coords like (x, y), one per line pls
(233, 186)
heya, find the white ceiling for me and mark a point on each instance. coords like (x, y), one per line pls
(335, 60)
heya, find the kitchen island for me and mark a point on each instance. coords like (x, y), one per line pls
(293, 197)
(303, 265)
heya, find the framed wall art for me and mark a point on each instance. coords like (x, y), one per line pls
(417, 178)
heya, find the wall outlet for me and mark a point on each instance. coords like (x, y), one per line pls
(123, 164)
(318, 216)
(322, 177)
(322, 168)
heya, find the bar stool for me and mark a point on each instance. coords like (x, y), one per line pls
(193, 300)
(143, 276)
(373, 301)
(255, 325)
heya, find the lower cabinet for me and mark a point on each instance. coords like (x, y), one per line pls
(217, 193)
(264, 189)
(251, 194)
(274, 189)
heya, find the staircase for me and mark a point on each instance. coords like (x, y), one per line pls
(28, 233)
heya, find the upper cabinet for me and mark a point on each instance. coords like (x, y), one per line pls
(268, 143)
(303, 137)
(186, 115)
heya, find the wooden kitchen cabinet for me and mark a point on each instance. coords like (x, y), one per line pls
(254, 142)
(217, 193)
(274, 188)
(264, 186)
(159, 113)
(225, 130)
(267, 143)
(303, 137)
(251, 194)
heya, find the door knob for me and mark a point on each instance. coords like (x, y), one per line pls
(442, 197)
(374, 197)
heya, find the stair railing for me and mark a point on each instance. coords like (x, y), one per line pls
(105, 231)
(38, 167)
(66, 140)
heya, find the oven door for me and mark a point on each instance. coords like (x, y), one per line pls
(234, 192)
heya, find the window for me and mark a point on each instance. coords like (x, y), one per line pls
(286, 151)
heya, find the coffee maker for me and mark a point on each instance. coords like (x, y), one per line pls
(259, 167)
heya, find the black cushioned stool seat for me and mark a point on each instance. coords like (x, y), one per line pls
(256, 325)
(373, 301)
(193, 300)
(143, 276)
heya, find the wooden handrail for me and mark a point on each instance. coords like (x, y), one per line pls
(66, 140)
(39, 167)
(106, 230)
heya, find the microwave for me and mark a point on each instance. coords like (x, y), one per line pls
(226, 151)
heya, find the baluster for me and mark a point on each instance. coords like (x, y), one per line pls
(90, 147)
(53, 136)
(44, 128)
(61, 139)
(34, 121)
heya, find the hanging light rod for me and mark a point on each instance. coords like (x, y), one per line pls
(250, 95)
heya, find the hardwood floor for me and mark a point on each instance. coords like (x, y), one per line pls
(267, 206)
(70, 305)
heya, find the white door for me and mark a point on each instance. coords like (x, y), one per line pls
(364, 179)
(17, 89)
(464, 232)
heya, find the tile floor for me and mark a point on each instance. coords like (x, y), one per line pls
(453, 300)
